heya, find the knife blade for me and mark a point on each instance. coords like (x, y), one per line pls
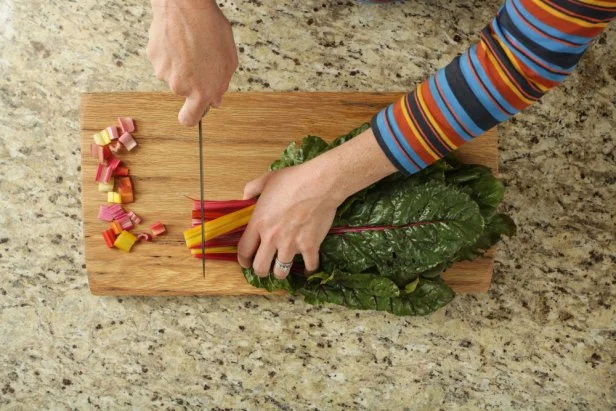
(202, 207)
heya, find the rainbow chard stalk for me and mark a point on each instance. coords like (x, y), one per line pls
(390, 242)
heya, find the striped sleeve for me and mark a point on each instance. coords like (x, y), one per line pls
(528, 48)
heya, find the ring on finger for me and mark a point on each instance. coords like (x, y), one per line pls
(284, 267)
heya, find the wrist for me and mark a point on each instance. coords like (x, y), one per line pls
(351, 167)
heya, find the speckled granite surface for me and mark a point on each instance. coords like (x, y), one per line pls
(543, 338)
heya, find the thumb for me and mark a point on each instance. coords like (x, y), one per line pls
(255, 187)
(192, 110)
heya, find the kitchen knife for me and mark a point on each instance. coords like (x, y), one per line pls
(201, 197)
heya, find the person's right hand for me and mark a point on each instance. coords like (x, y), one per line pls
(191, 48)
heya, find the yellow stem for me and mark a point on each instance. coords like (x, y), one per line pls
(219, 226)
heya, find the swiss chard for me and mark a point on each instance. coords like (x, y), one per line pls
(391, 241)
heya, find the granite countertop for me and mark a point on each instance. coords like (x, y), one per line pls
(544, 337)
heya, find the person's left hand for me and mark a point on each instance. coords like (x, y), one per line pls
(297, 205)
(295, 211)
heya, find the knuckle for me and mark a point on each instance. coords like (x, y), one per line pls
(269, 236)
(261, 225)
(244, 255)
(261, 270)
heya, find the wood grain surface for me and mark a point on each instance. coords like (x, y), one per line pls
(240, 140)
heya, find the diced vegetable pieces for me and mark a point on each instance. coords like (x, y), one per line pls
(121, 171)
(125, 189)
(144, 237)
(158, 228)
(103, 173)
(115, 211)
(126, 124)
(134, 218)
(115, 146)
(126, 223)
(100, 168)
(116, 226)
(104, 214)
(125, 181)
(107, 172)
(102, 138)
(110, 237)
(128, 141)
(105, 187)
(126, 195)
(113, 162)
(114, 197)
(125, 241)
(113, 132)
(103, 153)
(94, 150)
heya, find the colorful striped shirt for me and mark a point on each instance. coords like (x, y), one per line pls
(528, 48)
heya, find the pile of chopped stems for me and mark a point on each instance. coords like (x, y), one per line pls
(114, 180)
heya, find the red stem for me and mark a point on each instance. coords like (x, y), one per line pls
(218, 257)
(226, 205)
(232, 238)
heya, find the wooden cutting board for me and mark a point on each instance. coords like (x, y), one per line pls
(240, 140)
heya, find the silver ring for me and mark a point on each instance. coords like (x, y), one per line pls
(284, 267)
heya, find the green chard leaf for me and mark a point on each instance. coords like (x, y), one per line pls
(403, 229)
(427, 297)
(497, 226)
(271, 283)
(311, 147)
(479, 182)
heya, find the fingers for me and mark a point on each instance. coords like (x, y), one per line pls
(255, 187)
(311, 259)
(247, 246)
(193, 110)
(284, 255)
(263, 259)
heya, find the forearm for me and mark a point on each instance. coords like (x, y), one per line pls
(529, 47)
(352, 166)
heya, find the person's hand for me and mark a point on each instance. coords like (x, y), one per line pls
(295, 210)
(297, 205)
(191, 48)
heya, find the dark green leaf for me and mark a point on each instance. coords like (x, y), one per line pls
(322, 276)
(271, 283)
(428, 296)
(412, 286)
(482, 186)
(496, 227)
(428, 223)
